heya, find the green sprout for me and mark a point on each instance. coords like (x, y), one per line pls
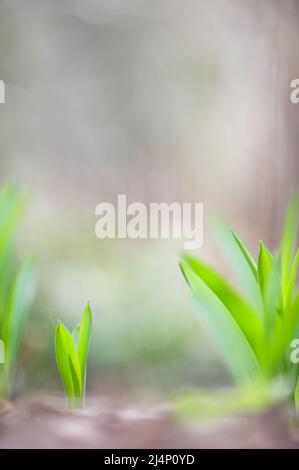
(71, 351)
(17, 285)
(252, 327)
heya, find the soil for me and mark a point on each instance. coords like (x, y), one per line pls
(111, 424)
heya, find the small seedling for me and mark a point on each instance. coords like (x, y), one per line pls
(71, 351)
(17, 286)
(252, 328)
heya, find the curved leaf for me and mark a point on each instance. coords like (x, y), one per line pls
(84, 341)
(242, 263)
(67, 362)
(247, 319)
(223, 329)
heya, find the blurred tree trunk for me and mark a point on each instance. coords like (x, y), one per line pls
(277, 171)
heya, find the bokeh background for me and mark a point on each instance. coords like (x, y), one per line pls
(161, 100)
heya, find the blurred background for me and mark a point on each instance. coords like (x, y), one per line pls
(167, 100)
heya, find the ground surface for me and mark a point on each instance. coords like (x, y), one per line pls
(108, 424)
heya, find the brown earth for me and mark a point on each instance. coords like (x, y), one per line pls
(112, 424)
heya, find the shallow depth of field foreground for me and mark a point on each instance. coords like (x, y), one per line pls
(135, 341)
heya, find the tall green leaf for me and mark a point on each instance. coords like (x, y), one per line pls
(71, 350)
(223, 329)
(265, 261)
(247, 319)
(68, 363)
(284, 332)
(19, 302)
(288, 243)
(75, 335)
(292, 281)
(84, 341)
(247, 256)
(242, 263)
(296, 395)
(269, 284)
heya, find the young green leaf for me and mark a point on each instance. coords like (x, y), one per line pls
(242, 263)
(292, 281)
(247, 256)
(17, 283)
(284, 332)
(221, 326)
(254, 330)
(265, 261)
(68, 363)
(19, 302)
(71, 352)
(11, 211)
(269, 284)
(288, 243)
(6, 275)
(247, 319)
(296, 396)
(84, 341)
(75, 335)
(65, 353)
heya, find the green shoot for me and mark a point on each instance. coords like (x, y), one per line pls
(252, 328)
(17, 285)
(71, 351)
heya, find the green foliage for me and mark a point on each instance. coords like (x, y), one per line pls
(252, 328)
(71, 351)
(192, 405)
(17, 284)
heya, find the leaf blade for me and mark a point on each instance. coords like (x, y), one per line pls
(228, 337)
(84, 342)
(244, 270)
(68, 362)
(248, 320)
(19, 301)
(288, 242)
